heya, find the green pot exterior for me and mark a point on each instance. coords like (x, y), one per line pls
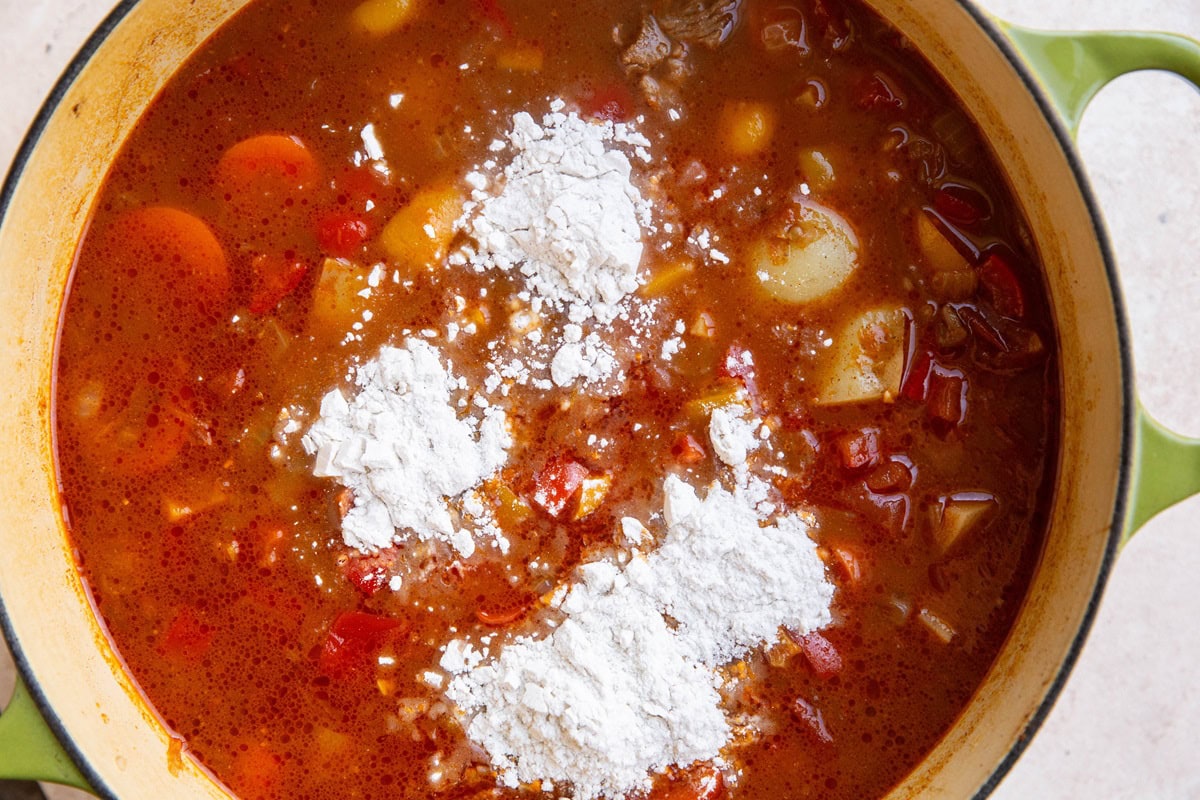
(1071, 67)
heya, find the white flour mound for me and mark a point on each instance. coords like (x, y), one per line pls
(607, 698)
(567, 216)
(728, 580)
(401, 448)
(615, 694)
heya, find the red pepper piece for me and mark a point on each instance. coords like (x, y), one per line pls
(341, 233)
(351, 638)
(557, 483)
(274, 279)
(1002, 286)
(687, 450)
(960, 204)
(916, 379)
(821, 655)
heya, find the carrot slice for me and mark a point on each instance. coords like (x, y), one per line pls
(171, 249)
(269, 163)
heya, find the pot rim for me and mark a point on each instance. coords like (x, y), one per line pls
(987, 24)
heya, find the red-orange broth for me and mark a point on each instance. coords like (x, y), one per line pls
(218, 281)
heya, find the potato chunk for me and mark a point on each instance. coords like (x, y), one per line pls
(960, 514)
(337, 303)
(814, 256)
(868, 359)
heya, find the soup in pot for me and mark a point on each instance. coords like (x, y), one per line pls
(512, 399)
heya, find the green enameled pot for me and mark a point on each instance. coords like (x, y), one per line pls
(78, 718)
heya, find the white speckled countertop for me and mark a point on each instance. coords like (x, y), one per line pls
(1127, 724)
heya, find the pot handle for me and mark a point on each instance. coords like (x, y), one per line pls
(1073, 67)
(29, 750)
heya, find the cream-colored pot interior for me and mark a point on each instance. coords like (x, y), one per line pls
(121, 742)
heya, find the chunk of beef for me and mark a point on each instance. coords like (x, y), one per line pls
(706, 22)
(658, 57)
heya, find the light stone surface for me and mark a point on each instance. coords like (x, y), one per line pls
(1127, 724)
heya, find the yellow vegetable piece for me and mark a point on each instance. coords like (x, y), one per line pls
(667, 277)
(722, 393)
(813, 258)
(748, 127)
(336, 301)
(381, 17)
(419, 234)
(592, 494)
(940, 254)
(510, 508)
(521, 58)
(868, 359)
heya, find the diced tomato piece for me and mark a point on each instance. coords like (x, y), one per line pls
(351, 638)
(701, 782)
(492, 11)
(812, 719)
(557, 483)
(186, 638)
(687, 450)
(269, 163)
(878, 91)
(1002, 286)
(960, 204)
(859, 449)
(916, 378)
(342, 233)
(821, 655)
(947, 396)
(275, 277)
(739, 363)
(613, 103)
